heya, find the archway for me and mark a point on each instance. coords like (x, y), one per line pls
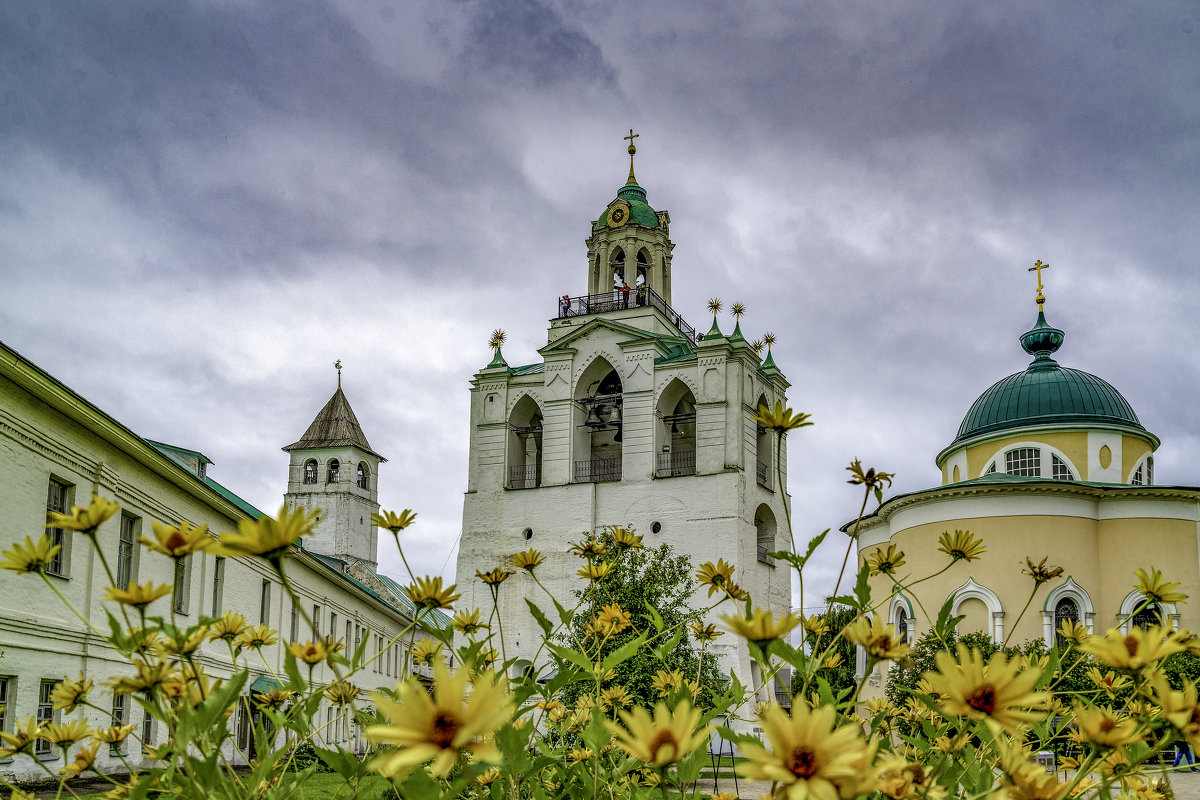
(765, 528)
(525, 445)
(764, 451)
(597, 424)
(675, 431)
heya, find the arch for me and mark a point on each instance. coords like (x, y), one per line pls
(1133, 600)
(616, 262)
(597, 423)
(1068, 590)
(362, 475)
(525, 444)
(764, 451)
(675, 431)
(900, 611)
(765, 528)
(644, 265)
(974, 591)
(1046, 456)
(1143, 473)
(522, 668)
(333, 473)
(310, 471)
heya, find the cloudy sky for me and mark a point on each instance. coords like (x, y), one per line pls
(203, 205)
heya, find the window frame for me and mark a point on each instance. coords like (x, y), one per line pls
(45, 713)
(264, 603)
(127, 549)
(60, 565)
(218, 586)
(311, 471)
(181, 587)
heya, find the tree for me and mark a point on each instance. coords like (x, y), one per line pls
(841, 676)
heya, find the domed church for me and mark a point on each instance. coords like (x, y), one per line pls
(1049, 462)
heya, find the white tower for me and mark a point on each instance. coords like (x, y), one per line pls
(630, 419)
(334, 469)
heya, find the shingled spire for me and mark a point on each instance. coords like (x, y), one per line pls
(334, 426)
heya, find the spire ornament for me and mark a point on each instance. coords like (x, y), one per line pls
(632, 150)
(737, 309)
(495, 341)
(338, 366)
(1037, 267)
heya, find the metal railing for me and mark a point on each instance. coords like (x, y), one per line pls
(763, 473)
(619, 299)
(597, 470)
(524, 476)
(763, 549)
(676, 463)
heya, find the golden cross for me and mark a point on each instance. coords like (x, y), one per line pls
(632, 150)
(338, 366)
(1037, 267)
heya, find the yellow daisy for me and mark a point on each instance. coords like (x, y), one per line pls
(1155, 589)
(257, 637)
(159, 676)
(595, 571)
(625, 538)
(780, 419)
(186, 644)
(1133, 650)
(228, 628)
(715, 577)
(1106, 727)
(30, 556)
(138, 595)
(428, 593)
(113, 735)
(590, 548)
(528, 560)
(268, 537)
(274, 699)
(762, 627)
(427, 651)
(883, 562)
(310, 652)
(496, 577)
(666, 738)
(392, 521)
(179, 540)
(85, 520)
(65, 735)
(467, 622)
(613, 618)
(68, 694)
(961, 545)
(704, 633)
(342, 693)
(877, 637)
(992, 690)
(22, 739)
(82, 761)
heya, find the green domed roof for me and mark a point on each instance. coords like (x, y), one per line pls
(1046, 393)
(639, 210)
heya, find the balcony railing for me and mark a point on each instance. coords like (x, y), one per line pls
(524, 476)
(619, 299)
(676, 463)
(597, 470)
(763, 473)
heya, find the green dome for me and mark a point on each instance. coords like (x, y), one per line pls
(639, 210)
(1046, 393)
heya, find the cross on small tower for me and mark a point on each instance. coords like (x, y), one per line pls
(632, 150)
(1037, 267)
(338, 366)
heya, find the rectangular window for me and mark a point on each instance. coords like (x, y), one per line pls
(264, 603)
(357, 637)
(295, 630)
(127, 549)
(45, 713)
(120, 712)
(332, 624)
(348, 626)
(218, 586)
(182, 575)
(1024, 461)
(58, 500)
(5, 691)
(147, 730)
(316, 621)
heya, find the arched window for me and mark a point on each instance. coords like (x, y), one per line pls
(363, 477)
(599, 401)
(525, 445)
(764, 462)
(617, 263)
(1023, 461)
(310, 471)
(675, 431)
(1032, 460)
(1065, 610)
(1144, 474)
(333, 475)
(1059, 469)
(902, 625)
(1149, 617)
(764, 526)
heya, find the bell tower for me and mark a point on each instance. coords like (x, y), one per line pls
(630, 243)
(334, 469)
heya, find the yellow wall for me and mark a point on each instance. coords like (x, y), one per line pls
(1132, 451)
(1073, 445)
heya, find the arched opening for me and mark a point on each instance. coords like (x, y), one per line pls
(764, 455)
(643, 276)
(765, 527)
(1065, 610)
(333, 474)
(902, 625)
(1149, 617)
(676, 431)
(310, 471)
(617, 263)
(598, 424)
(976, 618)
(525, 445)
(362, 476)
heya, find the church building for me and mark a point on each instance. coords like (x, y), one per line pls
(1050, 462)
(629, 418)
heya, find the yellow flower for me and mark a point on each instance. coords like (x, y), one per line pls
(664, 681)
(667, 737)
(715, 577)
(737, 592)
(228, 628)
(528, 560)
(704, 633)
(186, 644)
(255, 638)
(460, 718)
(810, 756)
(1104, 726)
(85, 520)
(1073, 631)
(159, 676)
(992, 691)
(178, 541)
(1134, 650)
(82, 761)
(113, 735)
(595, 571)
(68, 695)
(815, 625)
(30, 557)
(65, 735)
(22, 739)
(268, 537)
(1026, 780)
(489, 776)
(393, 522)
(961, 545)
(907, 780)
(877, 638)
(494, 578)
(869, 478)
(274, 699)
(613, 618)
(138, 595)
(615, 696)
(590, 548)
(624, 538)
(428, 593)
(467, 622)
(580, 754)
(1157, 590)
(342, 693)
(761, 627)
(886, 563)
(1180, 708)
(310, 652)
(1040, 572)
(832, 661)
(1108, 682)
(780, 419)
(427, 651)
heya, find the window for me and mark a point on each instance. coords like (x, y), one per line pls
(45, 713)
(310, 471)
(334, 470)
(218, 587)
(264, 603)
(1059, 469)
(357, 637)
(332, 624)
(1149, 470)
(363, 476)
(902, 625)
(991, 468)
(316, 621)
(1144, 474)
(182, 574)
(1023, 461)
(1150, 616)
(5, 691)
(126, 549)
(349, 630)
(120, 711)
(147, 730)
(1065, 610)
(764, 525)
(295, 630)
(58, 499)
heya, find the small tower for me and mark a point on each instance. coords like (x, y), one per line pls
(334, 469)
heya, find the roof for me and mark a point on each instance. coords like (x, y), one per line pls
(335, 426)
(401, 604)
(640, 211)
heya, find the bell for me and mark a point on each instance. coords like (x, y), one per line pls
(617, 435)
(593, 419)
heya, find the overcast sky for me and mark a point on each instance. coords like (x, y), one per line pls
(203, 205)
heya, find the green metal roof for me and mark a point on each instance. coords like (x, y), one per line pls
(233, 498)
(639, 210)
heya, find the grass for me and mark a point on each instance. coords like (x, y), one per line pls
(320, 786)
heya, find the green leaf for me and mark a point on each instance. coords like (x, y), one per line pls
(574, 656)
(624, 652)
(946, 624)
(862, 588)
(512, 745)
(542, 621)
(419, 786)
(563, 614)
(291, 666)
(655, 618)
(663, 648)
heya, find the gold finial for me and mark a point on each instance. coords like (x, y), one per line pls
(737, 309)
(632, 150)
(338, 366)
(497, 339)
(1037, 267)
